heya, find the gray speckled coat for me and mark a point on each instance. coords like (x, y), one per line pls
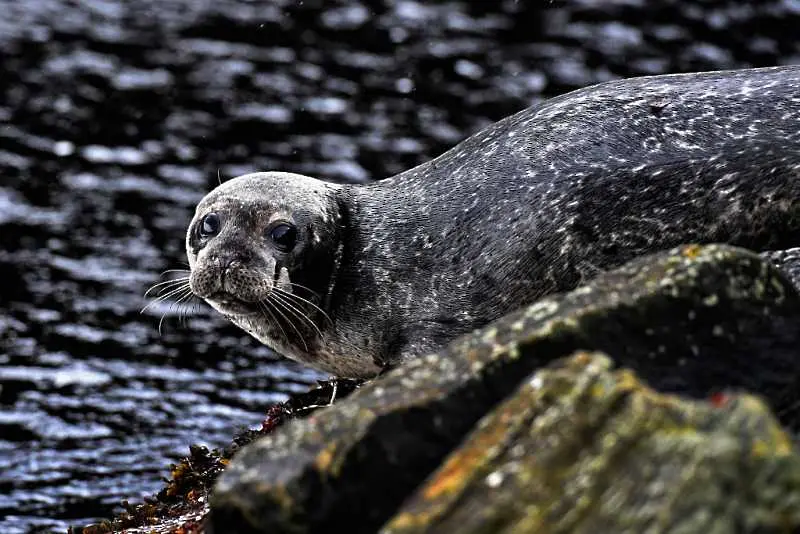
(550, 196)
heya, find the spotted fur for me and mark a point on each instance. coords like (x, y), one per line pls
(534, 204)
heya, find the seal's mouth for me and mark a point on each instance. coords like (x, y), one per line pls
(231, 304)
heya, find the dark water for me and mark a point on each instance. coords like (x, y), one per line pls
(116, 116)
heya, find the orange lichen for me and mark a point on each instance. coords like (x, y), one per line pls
(692, 251)
(324, 460)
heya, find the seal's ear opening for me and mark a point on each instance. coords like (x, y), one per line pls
(344, 199)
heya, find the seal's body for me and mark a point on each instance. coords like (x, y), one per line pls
(534, 204)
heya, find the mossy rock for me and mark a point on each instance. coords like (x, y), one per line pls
(696, 321)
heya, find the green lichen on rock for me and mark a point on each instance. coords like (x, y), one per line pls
(693, 320)
(579, 448)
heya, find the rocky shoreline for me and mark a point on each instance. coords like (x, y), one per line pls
(661, 395)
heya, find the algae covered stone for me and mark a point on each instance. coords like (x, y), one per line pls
(581, 448)
(694, 320)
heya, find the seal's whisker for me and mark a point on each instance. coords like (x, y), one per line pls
(287, 303)
(181, 299)
(190, 306)
(170, 293)
(171, 281)
(266, 305)
(166, 284)
(304, 288)
(160, 300)
(188, 294)
(297, 297)
(195, 306)
(183, 271)
(277, 303)
(164, 287)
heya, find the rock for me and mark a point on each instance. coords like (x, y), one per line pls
(579, 448)
(693, 320)
(788, 261)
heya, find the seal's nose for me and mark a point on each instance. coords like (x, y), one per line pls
(234, 261)
(229, 265)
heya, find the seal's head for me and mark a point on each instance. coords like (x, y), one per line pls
(263, 251)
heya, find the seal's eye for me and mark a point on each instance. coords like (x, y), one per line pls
(209, 225)
(284, 235)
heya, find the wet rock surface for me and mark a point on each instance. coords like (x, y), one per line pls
(695, 321)
(118, 115)
(578, 448)
(788, 261)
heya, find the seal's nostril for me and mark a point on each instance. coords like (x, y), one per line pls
(233, 263)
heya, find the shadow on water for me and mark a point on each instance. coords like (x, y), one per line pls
(117, 116)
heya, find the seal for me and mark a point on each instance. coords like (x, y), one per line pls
(350, 279)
